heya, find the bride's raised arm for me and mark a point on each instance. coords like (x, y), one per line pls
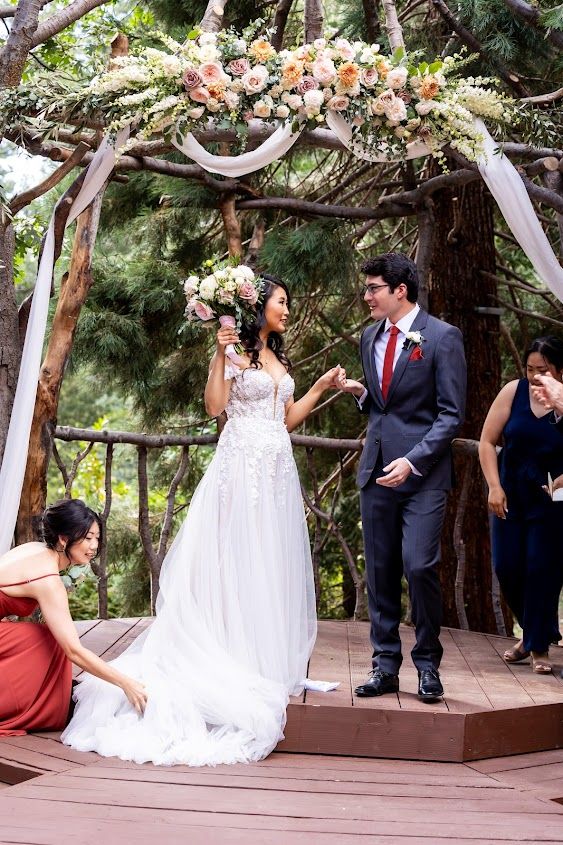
(217, 389)
(298, 411)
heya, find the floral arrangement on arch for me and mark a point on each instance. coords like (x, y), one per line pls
(232, 78)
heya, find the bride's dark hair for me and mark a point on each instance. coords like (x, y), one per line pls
(250, 332)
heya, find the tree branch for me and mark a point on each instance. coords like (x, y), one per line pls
(392, 25)
(468, 38)
(212, 20)
(280, 21)
(542, 99)
(313, 20)
(64, 18)
(533, 15)
(13, 55)
(23, 199)
(350, 212)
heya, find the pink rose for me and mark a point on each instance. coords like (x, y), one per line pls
(238, 67)
(307, 84)
(324, 71)
(211, 73)
(248, 292)
(203, 311)
(345, 49)
(369, 77)
(338, 103)
(199, 95)
(192, 79)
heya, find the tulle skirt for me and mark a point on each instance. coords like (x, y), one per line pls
(235, 622)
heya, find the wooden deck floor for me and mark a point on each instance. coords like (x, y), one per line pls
(62, 796)
(486, 710)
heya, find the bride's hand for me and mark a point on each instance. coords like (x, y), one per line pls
(225, 336)
(136, 694)
(332, 378)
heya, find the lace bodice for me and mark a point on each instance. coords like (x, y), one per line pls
(254, 393)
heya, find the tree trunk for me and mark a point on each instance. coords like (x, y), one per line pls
(74, 290)
(463, 247)
(313, 20)
(14, 54)
(10, 352)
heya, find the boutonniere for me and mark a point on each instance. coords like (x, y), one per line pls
(414, 341)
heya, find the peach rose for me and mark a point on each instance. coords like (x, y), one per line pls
(199, 95)
(211, 73)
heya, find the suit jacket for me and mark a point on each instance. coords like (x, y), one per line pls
(424, 409)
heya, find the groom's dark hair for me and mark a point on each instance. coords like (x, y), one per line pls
(395, 269)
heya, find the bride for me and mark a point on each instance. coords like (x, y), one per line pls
(236, 620)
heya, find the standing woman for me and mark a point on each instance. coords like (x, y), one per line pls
(526, 522)
(35, 660)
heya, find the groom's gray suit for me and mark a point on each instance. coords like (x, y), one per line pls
(402, 525)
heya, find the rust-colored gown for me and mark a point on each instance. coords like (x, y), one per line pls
(35, 674)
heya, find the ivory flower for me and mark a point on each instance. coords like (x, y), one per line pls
(396, 78)
(255, 79)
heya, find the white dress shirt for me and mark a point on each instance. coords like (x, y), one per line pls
(404, 326)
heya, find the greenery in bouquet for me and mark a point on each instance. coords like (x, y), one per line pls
(229, 78)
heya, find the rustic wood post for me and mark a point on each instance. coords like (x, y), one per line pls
(313, 20)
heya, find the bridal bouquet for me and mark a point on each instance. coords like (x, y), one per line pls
(225, 292)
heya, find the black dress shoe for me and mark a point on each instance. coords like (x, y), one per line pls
(429, 685)
(379, 683)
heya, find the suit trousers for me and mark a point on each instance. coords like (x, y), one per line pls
(402, 535)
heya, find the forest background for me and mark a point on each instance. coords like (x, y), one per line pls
(134, 364)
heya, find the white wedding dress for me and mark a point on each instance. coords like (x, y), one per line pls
(236, 620)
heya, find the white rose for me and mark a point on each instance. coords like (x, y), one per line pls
(236, 86)
(172, 66)
(221, 275)
(262, 109)
(208, 287)
(367, 56)
(319, 43)
(207, 38)
(254, 80)
(294, 101)
(231, 99)
(208, 53)
(190, 285)
(313, 99)
(424, 107)
(240, 46)
(397, 77)
(196, 113)
(282, 112)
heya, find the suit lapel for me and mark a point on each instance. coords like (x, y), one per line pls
(419, 323)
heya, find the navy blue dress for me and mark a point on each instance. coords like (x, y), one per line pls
(526, 544)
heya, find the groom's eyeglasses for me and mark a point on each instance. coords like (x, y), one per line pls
(371, 289)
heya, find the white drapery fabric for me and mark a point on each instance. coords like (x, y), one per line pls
(273, 148)
(499, 174)
(12, 470)
(506, 186)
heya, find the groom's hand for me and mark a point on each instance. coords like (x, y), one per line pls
(397, 472)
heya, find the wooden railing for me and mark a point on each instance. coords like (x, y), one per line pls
(321, 501)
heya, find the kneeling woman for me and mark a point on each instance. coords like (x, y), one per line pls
(35, 659)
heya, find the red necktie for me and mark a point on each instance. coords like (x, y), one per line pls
(389, 360)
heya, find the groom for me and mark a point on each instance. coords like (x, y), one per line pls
(415, 377)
